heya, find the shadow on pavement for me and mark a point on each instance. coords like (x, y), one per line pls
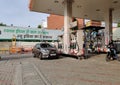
(14, 57)
(82, 56)
(54, 58)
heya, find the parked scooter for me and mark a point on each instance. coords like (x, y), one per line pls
(111, 54)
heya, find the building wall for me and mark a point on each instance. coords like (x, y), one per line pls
(57, 22)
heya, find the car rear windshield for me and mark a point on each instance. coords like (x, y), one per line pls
(46, 46)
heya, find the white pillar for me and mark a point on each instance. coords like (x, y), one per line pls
(108, 26)
(67, 20)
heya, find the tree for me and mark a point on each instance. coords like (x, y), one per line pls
(1, 24)
(118, 25)
(39, 26)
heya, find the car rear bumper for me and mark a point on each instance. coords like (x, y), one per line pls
(49, 55)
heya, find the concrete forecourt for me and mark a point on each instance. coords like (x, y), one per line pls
(25, 70)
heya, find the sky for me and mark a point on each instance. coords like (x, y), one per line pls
(17, 12)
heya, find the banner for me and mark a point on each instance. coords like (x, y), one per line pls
(28, 33)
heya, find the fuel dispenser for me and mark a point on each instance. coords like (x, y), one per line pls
(94, 37)
(60, 44)
(74, 47)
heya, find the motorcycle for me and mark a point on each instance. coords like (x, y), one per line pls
(111, 54)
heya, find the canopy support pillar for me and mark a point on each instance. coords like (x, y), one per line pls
(67, 21)
(108, 26)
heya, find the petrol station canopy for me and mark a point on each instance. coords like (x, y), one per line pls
(86, 9)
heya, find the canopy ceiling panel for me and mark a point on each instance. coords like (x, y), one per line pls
(88, 9)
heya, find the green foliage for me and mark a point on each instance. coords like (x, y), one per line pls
(118, 24)
(39, 26)
(1, 24)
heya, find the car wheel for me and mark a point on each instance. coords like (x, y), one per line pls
(40, 56)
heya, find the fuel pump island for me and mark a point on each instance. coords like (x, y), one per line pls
(84, 41)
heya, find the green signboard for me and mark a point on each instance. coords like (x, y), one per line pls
(28, 33)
